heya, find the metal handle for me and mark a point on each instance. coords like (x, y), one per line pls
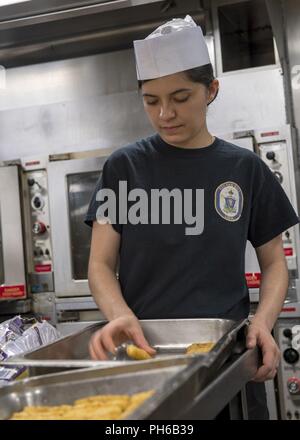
(76, 363)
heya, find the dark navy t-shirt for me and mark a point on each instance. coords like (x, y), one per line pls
(165, 273)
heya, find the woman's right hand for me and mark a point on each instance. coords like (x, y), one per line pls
(115, 333)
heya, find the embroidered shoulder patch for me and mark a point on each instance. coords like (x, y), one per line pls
(229, 201)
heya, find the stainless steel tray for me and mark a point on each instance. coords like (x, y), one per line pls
(181, 391)
(175, 334)
(64, 388)
(176, 379)
(170, 336)
(166, 333)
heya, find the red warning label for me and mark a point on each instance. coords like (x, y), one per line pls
(253, 280)
(11, 292)
(288, 252)
(42, 268)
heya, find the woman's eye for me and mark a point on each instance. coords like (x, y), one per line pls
(151, 102)
(181, 99)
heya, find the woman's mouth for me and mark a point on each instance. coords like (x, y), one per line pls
(171, 129)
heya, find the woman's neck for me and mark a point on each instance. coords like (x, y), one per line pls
(202, 139)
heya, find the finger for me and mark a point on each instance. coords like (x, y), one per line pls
(92, 352)
(270, 357)
(95, 352)
(271, 375)
(97, 348)
(264, 377)
(278, 357)
(140, 340)
(262, 373)
(276, 363)
(108, 343)
(270, 361)
(274, 373)
(251, 339)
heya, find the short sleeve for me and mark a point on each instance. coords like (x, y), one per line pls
(271, 211)
(108, 180)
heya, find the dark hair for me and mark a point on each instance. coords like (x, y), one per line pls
(203, 75)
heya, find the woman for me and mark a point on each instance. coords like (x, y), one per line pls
(192, 268)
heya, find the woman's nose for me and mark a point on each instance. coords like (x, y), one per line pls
(166, 112)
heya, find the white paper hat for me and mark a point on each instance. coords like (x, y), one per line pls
(173, 47)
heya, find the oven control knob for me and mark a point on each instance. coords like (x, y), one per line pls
(287, 332)
(270, 155)
(291, 356)
(39, 228)
(37, 202)
(293, 385)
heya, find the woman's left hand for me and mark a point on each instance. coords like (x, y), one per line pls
(259, 334)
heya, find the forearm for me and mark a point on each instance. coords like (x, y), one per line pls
(273, 290)
(106, 291)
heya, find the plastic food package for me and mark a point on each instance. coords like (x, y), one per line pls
(21, 335)
(10, 330)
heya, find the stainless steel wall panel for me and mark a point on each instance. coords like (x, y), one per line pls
(246, 103)
(62, 81)
(93, 102)
(74, 105)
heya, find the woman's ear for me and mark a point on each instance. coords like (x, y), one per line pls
(213, 91)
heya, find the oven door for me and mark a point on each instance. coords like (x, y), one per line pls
(71, 184)
(12, 269)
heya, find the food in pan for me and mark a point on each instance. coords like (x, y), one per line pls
(136, 353)
(102, 407)
(201, 347)
(135, 401)
(133, 352)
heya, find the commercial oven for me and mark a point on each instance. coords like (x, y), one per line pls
(274, 146)
(27, 257)
(71, 184)
(25, 234)
(12, 262)
(72, 179)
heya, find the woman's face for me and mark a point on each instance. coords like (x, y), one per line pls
(176, 107)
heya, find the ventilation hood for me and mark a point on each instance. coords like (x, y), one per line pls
(46, 30)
